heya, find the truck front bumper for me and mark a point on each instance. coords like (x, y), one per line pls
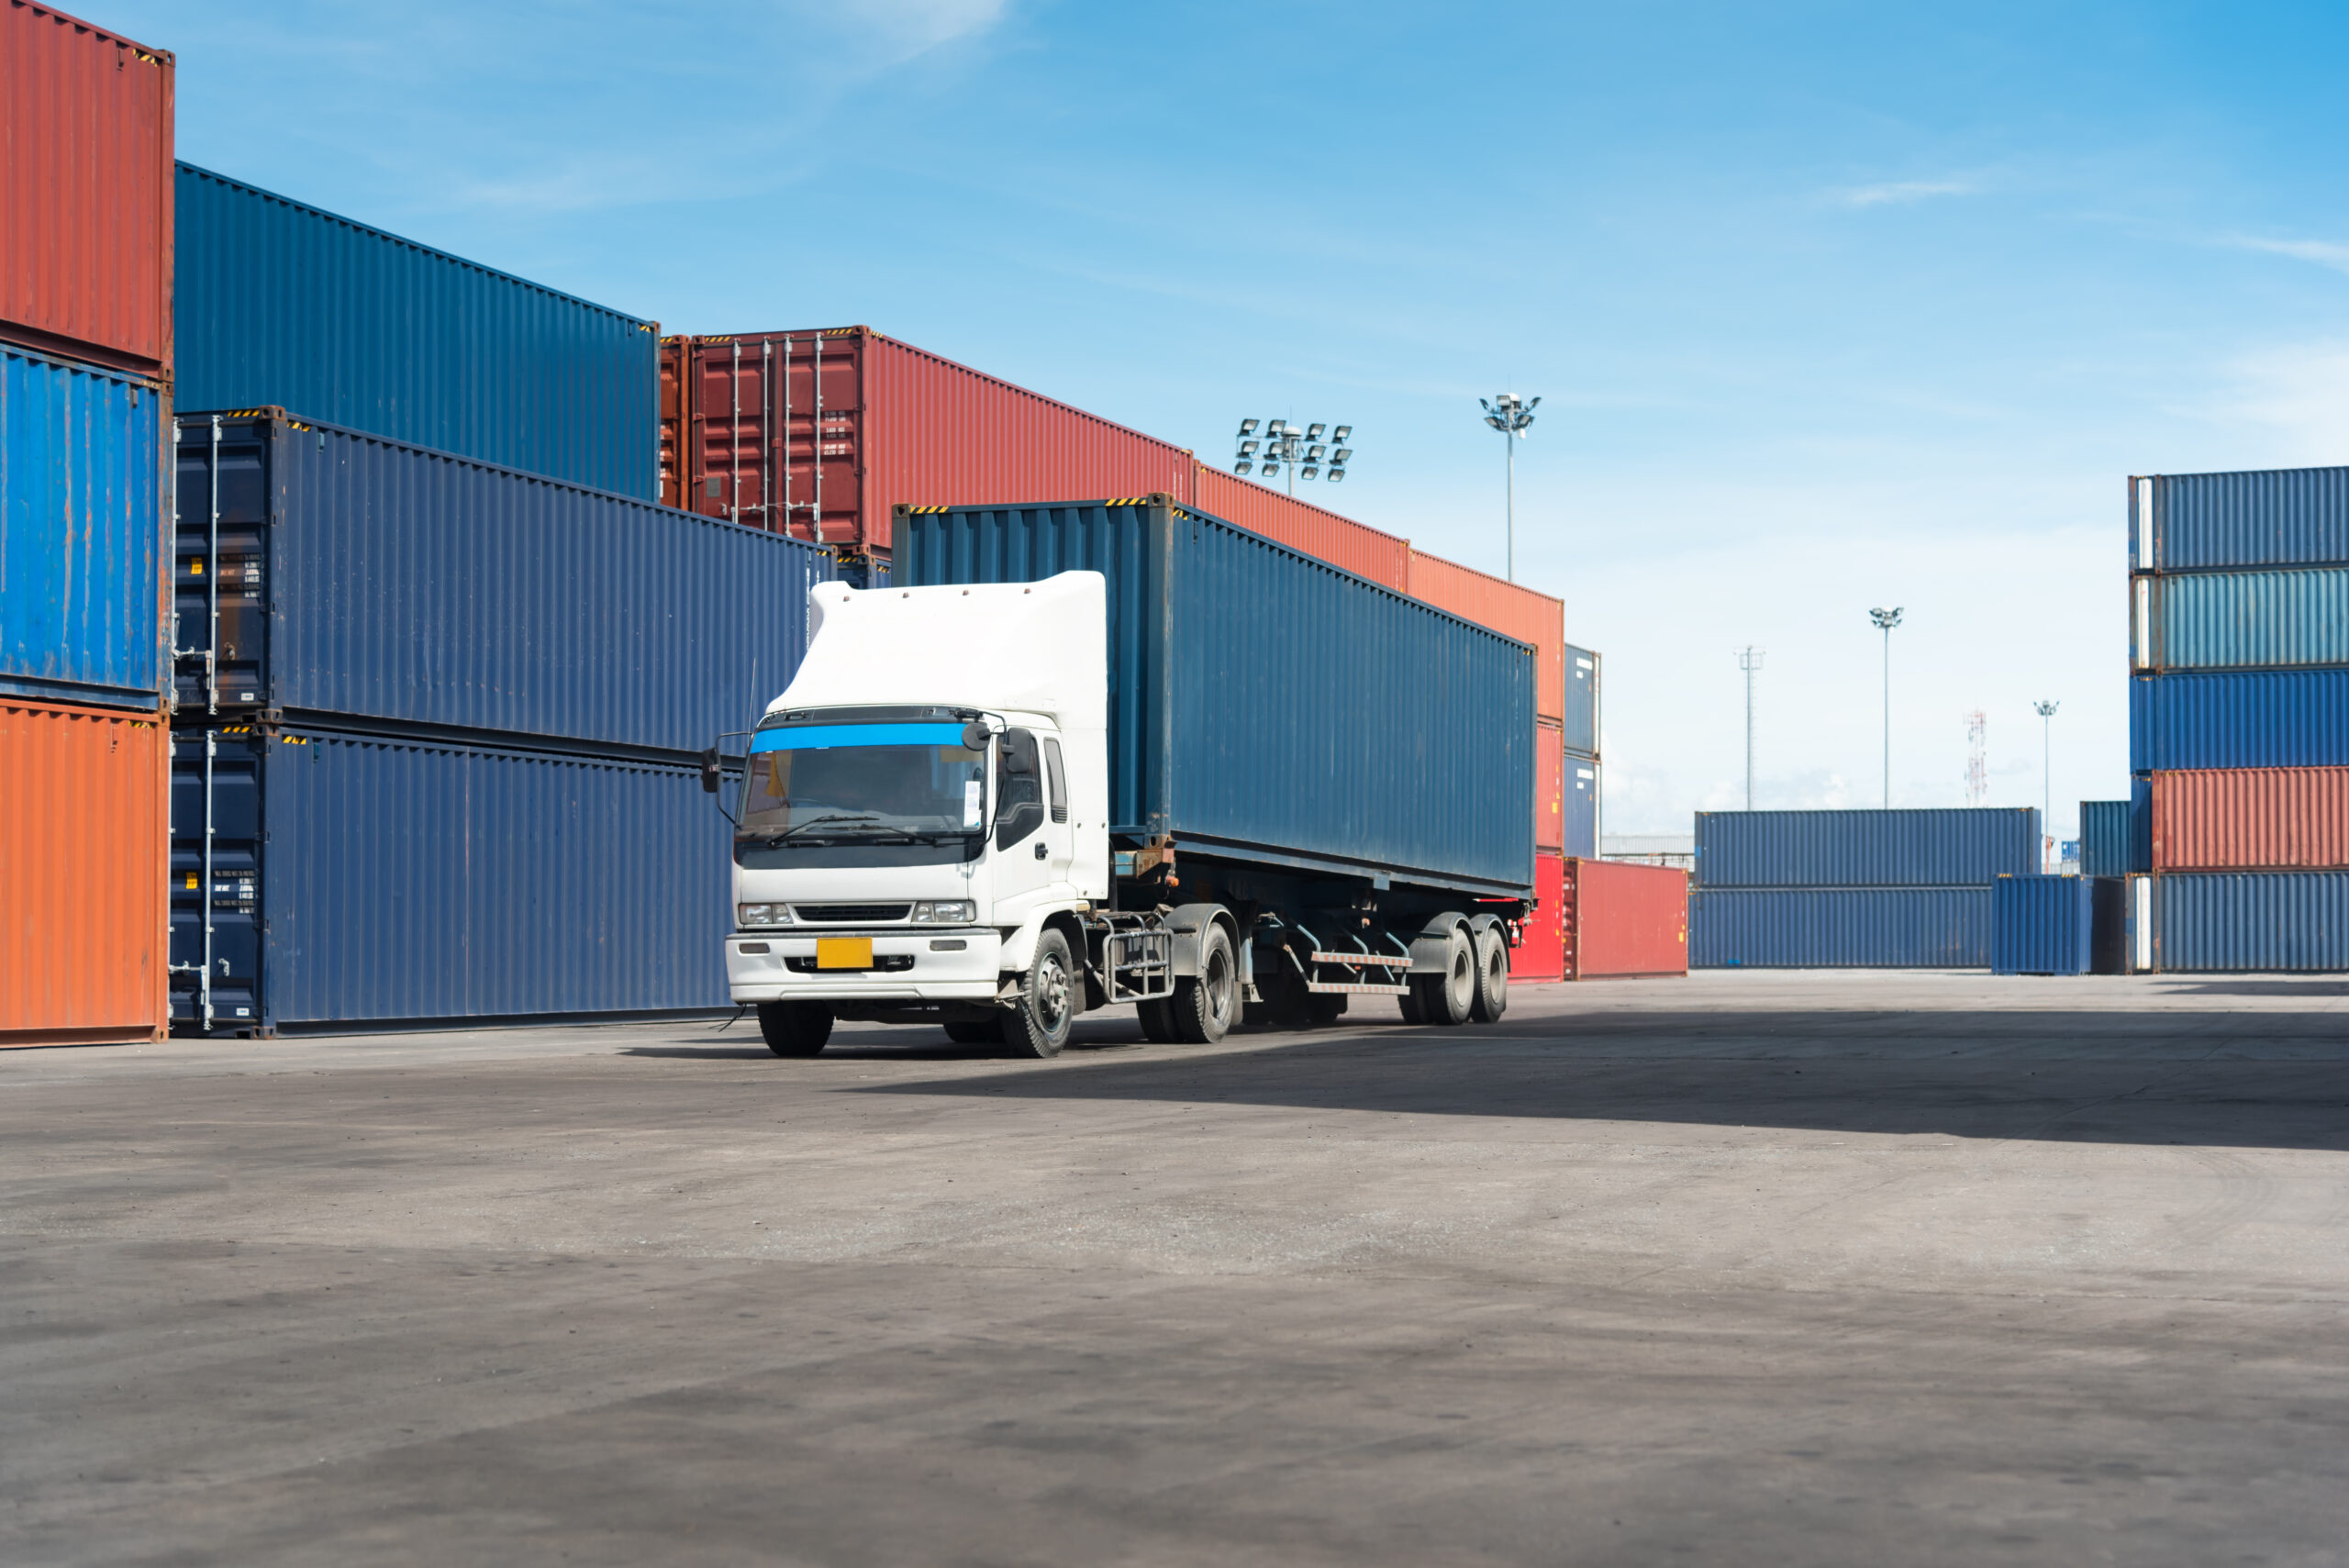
(758, 967)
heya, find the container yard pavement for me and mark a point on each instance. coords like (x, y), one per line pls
(1747, 1268)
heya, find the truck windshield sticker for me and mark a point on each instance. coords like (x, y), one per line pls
(971, 788)
(820, 737)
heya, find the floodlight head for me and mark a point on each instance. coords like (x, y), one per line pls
(1335, 475)
(1313, 432)
(1248, 449)
(1315, 452)
(2045, 709)
(1532, 405)
(1270, 469)
(1342, 433)
(1308, 472)
(1343, 454)
(1496, 421)
(1247, 426)
(1275, 426)
(1886, 619)
(1242, 466)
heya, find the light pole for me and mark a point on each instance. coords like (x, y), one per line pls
(1749, 659)
(2046, 711)
(1884, 621)
(1303, 453)
(1511, 417)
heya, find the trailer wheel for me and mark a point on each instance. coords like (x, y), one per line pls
(1039, 1026)
(1492, 975)
(988, 1032)
(1158, 1021)
(794, 1029)
(1204, 1003)
(1409, 1002)
(1448, 999)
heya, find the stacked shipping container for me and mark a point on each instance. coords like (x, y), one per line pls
(2239, 719)
(1854, 889)
(86, 378)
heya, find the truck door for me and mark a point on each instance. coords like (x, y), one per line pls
(1060, 835)
(1022, 851)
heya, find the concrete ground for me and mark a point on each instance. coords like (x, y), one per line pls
(1765, 1268)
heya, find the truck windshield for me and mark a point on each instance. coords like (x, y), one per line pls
(819, 782)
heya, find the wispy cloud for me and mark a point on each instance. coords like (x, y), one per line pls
(2299, 395)
(1899, 191)
(2324, 252)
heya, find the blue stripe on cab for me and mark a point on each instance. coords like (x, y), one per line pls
(816, 737)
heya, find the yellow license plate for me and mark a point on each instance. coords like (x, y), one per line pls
(843, 952)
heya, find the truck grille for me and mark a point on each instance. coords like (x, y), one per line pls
(850, 913)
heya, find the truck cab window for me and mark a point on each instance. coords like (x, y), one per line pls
(1057, 779)
(1019, 788)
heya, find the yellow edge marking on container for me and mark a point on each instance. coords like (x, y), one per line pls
(843, 952)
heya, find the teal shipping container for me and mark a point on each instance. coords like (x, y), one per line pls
(282, 303)
(2042, 925)
(1838, 928)
(2243, 620)
(2104, 838)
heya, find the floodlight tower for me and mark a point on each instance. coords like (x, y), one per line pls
(1511, 417)
(1749, 659)
(1977, 757)
(1302, 451)
(2046, 711)
(1884, 621)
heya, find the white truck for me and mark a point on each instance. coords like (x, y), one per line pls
(941, 821)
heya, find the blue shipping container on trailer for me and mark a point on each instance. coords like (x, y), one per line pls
(1865, 848)
(80, 532)
(1268, 707)
(2042, 925)
(280, 303)
(2104, 838)
(358, 576)
(1581, 718)
(1838, 928)
(2249, 719)
(2253, 921)
(371, 881)
(2244, 620)
(2282, 516)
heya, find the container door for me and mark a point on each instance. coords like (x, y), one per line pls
(220, 562)
(215, 875)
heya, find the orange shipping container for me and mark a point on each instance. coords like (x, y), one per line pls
(1549, 787)
(1624, 920)
(1541, 956)
(84, 842)
(1507, 608)
(1364, 551)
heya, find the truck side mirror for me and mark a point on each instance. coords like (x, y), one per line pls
(709, 773)
(974, 737)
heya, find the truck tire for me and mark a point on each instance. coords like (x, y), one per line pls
(988, 1032)
(1409, 1002)
(1039, 1025)
(1325, 1008)
(1158, 1021)
(1448, 999)
(794, 1029)
(1492, 975)
(1204, 1003)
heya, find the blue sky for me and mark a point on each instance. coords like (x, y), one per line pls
(1830, 306)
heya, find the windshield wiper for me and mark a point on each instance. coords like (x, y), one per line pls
(781, 834)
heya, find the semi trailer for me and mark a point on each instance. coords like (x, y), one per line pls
(1121, 752)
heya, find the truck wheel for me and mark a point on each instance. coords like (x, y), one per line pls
(1204, 1003)
(1158, 1021)
(794, 1029)
(1325, 1008)
(1409, 1002)
(988, 1032)
(1492, 975)
(1449, 997)
(1039, 1026)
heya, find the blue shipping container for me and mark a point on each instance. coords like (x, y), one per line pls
(362, 880)
(1581, 807)
(1969, 848)
(2267, 718)
(282, 303)
(1270, 707)
(2240, 620)
(358, 576)
(2104, 838)
(1839, 928)
(1581, 720)
(2279, 920)
(81, 533)
(2042, 925)
(2280, 517)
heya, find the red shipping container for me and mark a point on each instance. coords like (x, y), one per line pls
(85, 190)
(1541, 955)
(821, 433)
(1549, 787)
(1364, 551)
(83, 857)
(1623, 920)
(1507, 608)
(2250, 819)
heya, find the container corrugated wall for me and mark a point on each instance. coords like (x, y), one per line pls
(414, 588)
(2104, 838)
(1384, 558)
(80, 532)
(1581, 723)
(1624, 920)
(282, 304)
(1509, 609)
(2250, 818)
(1865, 848)
(2041, 925)
(1581, 802)
(85, 190)
(1839, 928)
(2237, 620)
(408, 882)
(82, 952)
(1541, 954)
(2268, 718)
(2260, 518)
(2253, 921)
(1263, 700)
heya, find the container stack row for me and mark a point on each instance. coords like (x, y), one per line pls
(2237, 828)
(85, 388)
(1854, 889)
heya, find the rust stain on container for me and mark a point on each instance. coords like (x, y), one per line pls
(2250, 819)
(85, 190)
(83, 860)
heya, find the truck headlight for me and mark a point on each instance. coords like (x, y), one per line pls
(953, 912)
(748, 915)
